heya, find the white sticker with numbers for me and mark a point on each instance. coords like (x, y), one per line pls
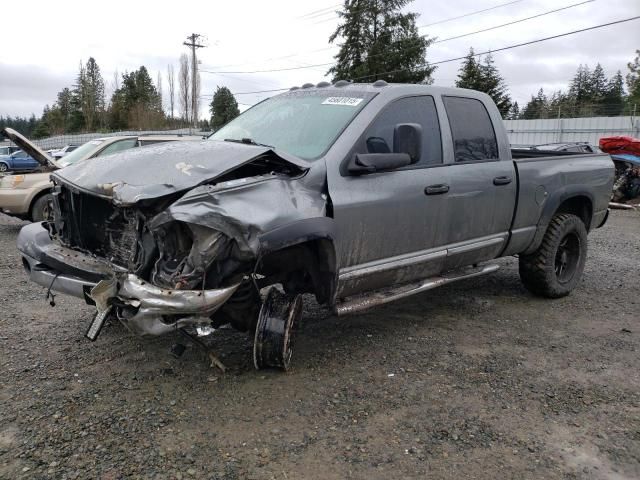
(348, 101)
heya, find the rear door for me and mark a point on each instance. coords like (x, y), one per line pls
(390, 230)
(482, 188)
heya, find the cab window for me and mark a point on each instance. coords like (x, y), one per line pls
(421, 110)
(472, 130)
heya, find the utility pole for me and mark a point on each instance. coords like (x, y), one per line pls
(192, 43)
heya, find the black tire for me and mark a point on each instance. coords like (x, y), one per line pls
(554, 270)
(273, 341)
(41, 208)
(4, 167)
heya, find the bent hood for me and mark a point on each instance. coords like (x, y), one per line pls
(33, 150)
(159, 170)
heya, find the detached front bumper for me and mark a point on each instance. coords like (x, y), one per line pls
(143, 308)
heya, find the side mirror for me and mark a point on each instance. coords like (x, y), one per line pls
(407, 138)
(362, 163)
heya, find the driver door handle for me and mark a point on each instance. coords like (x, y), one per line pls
(436, 189)
(504, 180)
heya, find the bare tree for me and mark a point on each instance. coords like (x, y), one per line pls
(195, 99)
(183, 79)
(159, 89)
(171, 80)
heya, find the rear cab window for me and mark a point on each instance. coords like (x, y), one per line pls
(474, 139)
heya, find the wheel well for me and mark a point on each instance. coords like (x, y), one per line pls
(308, 267)
(35, 199)
(579, 206)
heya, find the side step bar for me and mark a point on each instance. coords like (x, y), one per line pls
(380, 297)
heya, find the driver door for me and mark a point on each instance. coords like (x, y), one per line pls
(392, 225)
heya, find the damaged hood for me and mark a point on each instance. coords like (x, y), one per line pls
(163, 169)
(33, 150)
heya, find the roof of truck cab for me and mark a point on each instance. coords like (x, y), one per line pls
(390, 89)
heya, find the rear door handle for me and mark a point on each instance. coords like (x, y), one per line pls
(504, 180)
(436, 189)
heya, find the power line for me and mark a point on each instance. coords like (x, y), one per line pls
(192, 42)
(442, 61)
(616, 22)
(420, 26)
(286, 69)
(468, 14)
(514, 22)
(509, 47)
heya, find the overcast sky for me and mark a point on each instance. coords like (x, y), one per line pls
(44, 41)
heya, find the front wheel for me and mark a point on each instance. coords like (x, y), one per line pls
(3, 167)
(42, 209)
(556, 267)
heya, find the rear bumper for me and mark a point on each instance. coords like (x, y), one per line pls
(143, 308)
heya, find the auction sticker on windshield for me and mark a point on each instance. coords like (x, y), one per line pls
(348, 101)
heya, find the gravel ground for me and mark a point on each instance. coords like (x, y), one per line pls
(475, 380)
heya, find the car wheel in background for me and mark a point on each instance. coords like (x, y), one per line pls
(41, 209)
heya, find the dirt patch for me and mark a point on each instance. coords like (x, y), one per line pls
(475, 380)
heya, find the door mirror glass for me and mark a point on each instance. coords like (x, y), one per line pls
(407, 138)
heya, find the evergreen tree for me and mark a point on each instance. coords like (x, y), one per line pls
(137, 103)
(93, 95)
(514, 112)
(484, 77)
(538, 107)
(380, 42)
(470, 73)
(633, 81)
(614, 98)
(223, 108)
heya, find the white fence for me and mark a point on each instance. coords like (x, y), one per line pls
(590, 129)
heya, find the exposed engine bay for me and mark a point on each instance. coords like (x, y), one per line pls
(196, 257)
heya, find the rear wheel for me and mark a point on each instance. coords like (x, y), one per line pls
(555, 269)
(3, 167)
(41, 209)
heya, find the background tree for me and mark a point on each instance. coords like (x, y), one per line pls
(223, 108)
(136, 104)
(633, 81)
(184, 81)
(484, 77)
(537, 107)
(171, 81)
(91, 94)
(380, 42)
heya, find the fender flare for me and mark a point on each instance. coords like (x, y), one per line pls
(551, 206)
(321, 230)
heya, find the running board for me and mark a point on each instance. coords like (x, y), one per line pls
(380, 297)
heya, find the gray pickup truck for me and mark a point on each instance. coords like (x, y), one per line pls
(358, 194)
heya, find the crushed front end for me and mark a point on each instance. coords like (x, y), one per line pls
(161, 259)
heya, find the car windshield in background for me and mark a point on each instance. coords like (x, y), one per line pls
(304, 124)
(79, 153)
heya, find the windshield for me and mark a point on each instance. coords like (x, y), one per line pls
(302, 123)
(79, 153)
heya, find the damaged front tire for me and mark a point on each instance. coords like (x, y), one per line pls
(272, 345)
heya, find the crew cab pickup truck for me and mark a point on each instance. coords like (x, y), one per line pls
(357, 193)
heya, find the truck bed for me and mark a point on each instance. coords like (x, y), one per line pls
(546, 180)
